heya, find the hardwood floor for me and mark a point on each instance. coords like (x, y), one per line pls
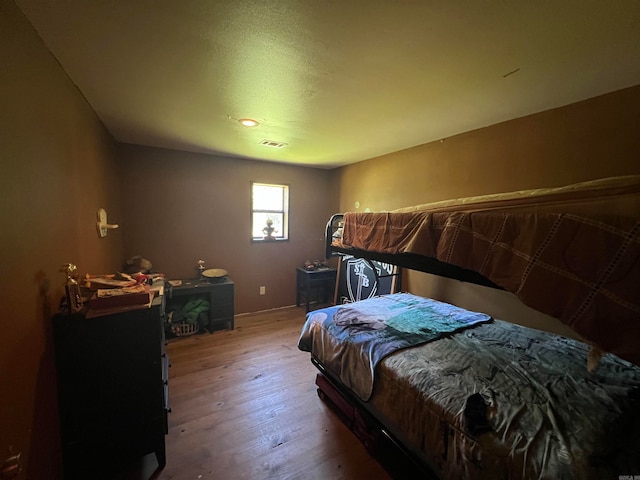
(244, 406)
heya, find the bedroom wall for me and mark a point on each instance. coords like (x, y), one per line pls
(182, 207)
(592, 139)
(57, 170)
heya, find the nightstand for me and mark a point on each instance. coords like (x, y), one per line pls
(315, 285)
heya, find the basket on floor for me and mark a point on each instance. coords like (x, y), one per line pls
(183, 329)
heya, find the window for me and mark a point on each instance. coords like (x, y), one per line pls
(269, 212)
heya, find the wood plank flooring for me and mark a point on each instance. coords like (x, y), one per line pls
(244, 406)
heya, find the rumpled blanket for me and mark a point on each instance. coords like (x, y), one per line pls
(350, 340)
(503, 401)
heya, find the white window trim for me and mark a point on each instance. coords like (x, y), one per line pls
(284, 237)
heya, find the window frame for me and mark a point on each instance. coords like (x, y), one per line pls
(281, 236)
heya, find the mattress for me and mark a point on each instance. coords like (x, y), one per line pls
(499, 400)
(545, 416)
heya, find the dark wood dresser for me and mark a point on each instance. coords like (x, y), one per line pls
(112, 389)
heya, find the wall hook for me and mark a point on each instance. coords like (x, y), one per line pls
(102, 225)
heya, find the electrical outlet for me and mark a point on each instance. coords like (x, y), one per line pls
(263, 290)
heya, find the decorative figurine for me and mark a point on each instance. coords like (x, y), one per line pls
(71, 288)
(201, 268)
(269, 230)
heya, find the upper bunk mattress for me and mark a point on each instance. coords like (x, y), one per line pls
(570, 252)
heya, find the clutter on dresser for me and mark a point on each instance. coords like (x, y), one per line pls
(137, 264)
(119, 297)
(209, 275)
(315, 265)
(110, 293)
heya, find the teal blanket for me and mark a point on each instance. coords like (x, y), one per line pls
(350, 340)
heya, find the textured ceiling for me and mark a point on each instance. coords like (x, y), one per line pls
(337, 81)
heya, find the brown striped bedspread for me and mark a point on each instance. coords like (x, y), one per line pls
(572, 252)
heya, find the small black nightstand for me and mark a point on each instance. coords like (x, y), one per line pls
(315, 285)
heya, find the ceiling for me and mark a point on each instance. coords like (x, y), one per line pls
(337, 81)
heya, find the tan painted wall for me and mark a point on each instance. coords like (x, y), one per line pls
(584, 141)
(57, 170)
(185, 206)
(592, 139)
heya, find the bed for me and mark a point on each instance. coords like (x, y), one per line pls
(495, 399)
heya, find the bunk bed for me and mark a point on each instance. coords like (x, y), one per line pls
(477, 397)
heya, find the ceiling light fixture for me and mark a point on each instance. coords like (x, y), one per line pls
(248, 122)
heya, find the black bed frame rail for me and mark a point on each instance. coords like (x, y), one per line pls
(397, 273)
(406, 260)
(383, 445)
(334, 226)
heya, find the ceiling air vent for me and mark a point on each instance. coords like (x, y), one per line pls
(273, 144)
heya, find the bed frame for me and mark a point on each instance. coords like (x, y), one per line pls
(609, 200)
(582, 240)
(378, 439)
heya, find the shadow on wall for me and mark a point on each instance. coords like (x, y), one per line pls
(45, 452)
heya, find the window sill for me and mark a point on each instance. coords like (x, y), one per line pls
(273, 240)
